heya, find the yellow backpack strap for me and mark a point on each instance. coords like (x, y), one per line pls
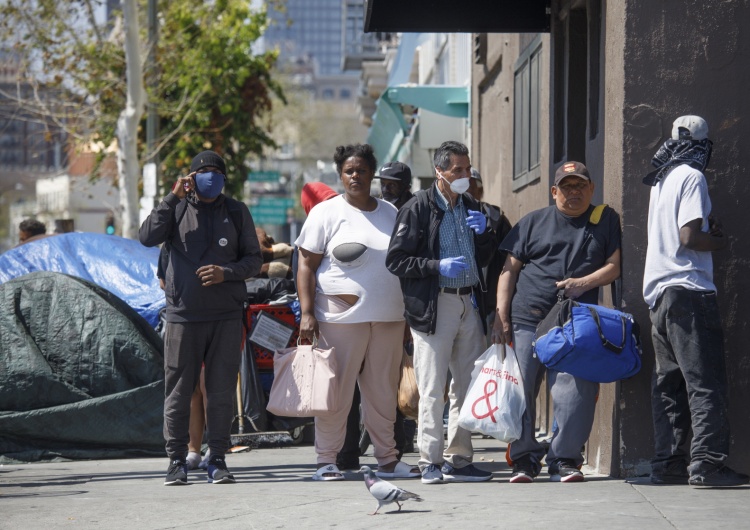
(596, 215)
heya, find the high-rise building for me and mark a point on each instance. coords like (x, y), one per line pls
(311, 38)
(309, 30)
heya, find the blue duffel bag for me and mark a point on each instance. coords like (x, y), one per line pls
(592, 342)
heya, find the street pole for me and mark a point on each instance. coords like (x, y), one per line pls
(152, 119)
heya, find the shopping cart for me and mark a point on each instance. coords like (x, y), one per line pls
(268, 327)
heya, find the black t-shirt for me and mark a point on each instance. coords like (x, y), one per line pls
(545, 241)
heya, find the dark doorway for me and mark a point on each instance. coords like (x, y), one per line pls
(571, 86)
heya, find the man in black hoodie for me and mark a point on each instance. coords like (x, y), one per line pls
(213, 248)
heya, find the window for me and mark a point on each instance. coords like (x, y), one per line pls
(526, 152)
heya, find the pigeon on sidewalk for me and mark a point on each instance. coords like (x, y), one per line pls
(385, 492)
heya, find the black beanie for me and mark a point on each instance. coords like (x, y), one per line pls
(206, 159)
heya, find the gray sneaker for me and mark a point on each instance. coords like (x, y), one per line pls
(177, 473)
(218, 472)
(565, 471)
(432, 475)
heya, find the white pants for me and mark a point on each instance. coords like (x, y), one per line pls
(457, 342)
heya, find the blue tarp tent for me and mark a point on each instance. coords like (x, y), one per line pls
(122, 266)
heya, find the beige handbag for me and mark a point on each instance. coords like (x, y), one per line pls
(304, 382)
(408, 392)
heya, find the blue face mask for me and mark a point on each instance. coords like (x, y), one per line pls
(209, 185)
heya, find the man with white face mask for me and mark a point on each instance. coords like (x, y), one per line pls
(438, 247)
(212, 249)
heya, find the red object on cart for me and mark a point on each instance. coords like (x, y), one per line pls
(264, 356)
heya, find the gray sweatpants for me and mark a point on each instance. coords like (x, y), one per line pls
(573, 400)
(187, 346)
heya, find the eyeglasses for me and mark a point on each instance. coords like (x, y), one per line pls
(573, 187)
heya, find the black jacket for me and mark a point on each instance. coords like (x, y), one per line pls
(500, 227)
(206, 235)
(414, 256)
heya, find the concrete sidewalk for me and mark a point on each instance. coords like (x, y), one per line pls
(274, 490)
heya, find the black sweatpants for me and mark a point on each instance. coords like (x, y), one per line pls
(188, 345)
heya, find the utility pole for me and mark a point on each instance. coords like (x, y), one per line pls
(151, 165)
(152, 119)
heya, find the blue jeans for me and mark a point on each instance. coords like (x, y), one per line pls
(574, 405)
(689, 386)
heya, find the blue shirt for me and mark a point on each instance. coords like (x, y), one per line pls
(457, 239)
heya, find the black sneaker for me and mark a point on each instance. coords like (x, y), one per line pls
(523, 472)
(218, 472)
(672, 473)
(565, 471)
(177, 473)
(707, 475)
(468, 473)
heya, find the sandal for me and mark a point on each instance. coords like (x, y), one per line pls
(401, 470)
(332, 470)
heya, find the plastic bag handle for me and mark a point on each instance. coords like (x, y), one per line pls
(314, 341)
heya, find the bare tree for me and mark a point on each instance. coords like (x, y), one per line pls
(127, 124)
(83, 73)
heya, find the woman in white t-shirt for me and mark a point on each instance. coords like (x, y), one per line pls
(353, 304)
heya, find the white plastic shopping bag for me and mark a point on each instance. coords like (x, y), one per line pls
(494, 404)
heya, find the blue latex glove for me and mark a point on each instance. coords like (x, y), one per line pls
(477, 221)
(451, 267)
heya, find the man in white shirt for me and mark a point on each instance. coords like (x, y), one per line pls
(690, 388)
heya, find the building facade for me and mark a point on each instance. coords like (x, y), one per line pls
(603, 88)
(416, 97)
(600, 81)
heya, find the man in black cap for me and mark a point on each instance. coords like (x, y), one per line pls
(212, 249)
(395, 183)
(546, 253)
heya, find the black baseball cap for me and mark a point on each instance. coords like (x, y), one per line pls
(568, 169)
(396, 171)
